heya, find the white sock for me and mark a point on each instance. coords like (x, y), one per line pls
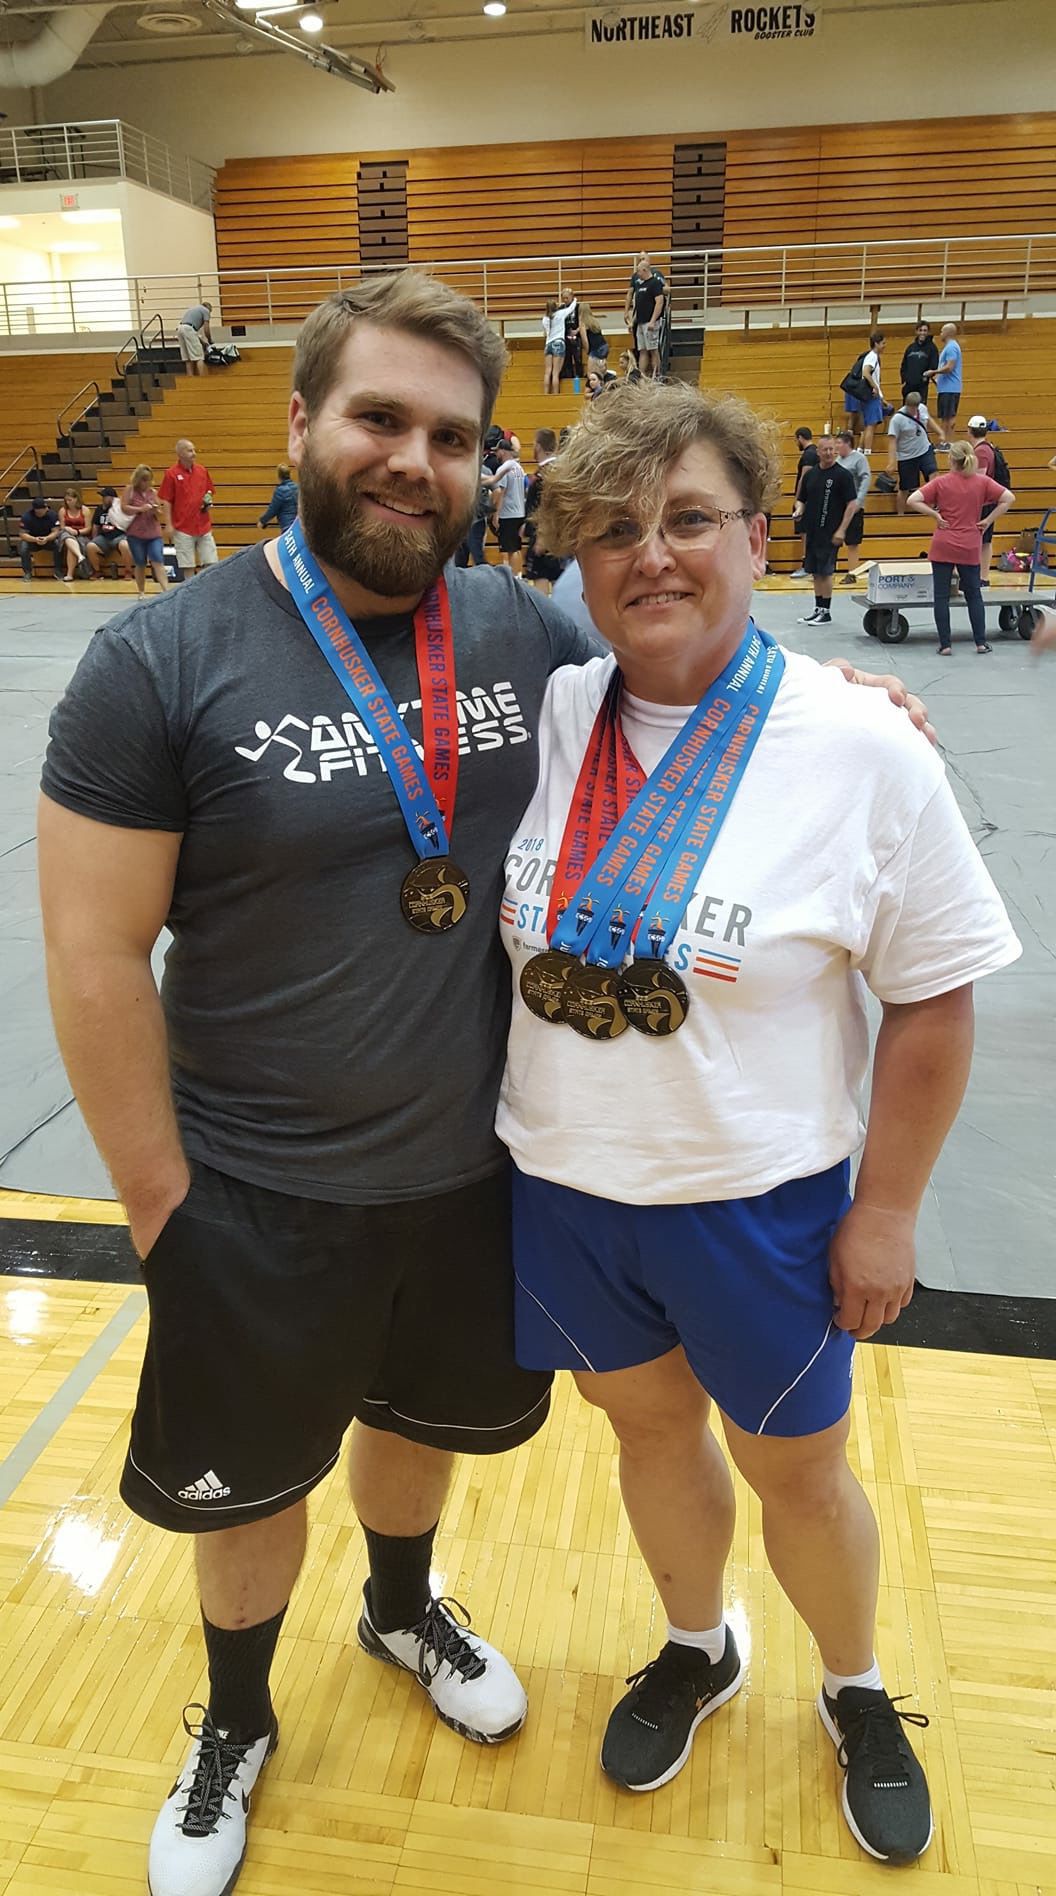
(712, 1642)
(863, 1681)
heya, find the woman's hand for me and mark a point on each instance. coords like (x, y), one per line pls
(915, 707)
(872, 1268)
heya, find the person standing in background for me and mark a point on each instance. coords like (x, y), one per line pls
(963, 503)
(282, 507)
(644, 313)
(910, 455)
(553, 321)
(187, 494)
(986, 462)
(147, 509)
(826, 507)
(866, 408)
(509, 483)
(948, 376)
(858, 468)
(808, 457)
(920, 360)
(192, 334)
(595, 348)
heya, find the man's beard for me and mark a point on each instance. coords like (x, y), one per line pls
(380, 556)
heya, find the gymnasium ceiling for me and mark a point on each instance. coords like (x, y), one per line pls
(141, 31)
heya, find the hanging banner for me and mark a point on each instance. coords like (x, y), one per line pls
(774, 23)
(682, 26)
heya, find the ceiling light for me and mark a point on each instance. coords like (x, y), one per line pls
(90, 217)
(10, 223)
(311, 22)
(495, 8)
(73, 249)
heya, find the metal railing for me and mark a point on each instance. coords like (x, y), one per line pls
(102, 148)
(142, 355)
(77, 409)
(27, 461)
(942, 276)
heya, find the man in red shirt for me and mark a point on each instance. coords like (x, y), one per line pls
(984, 456)
(187, 491)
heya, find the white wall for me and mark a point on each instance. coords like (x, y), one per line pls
(162, 237)
(884, 64)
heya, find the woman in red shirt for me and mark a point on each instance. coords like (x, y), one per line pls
(963, 503)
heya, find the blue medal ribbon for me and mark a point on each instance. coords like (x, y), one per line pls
(347, 657)
(669, 831)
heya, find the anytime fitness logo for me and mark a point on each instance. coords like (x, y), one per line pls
(317, 749)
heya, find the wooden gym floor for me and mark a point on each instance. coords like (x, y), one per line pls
(368, 1794)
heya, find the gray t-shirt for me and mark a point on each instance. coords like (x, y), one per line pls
(857, 465)
(511, 505)
(319, 1045)
(194, 318)
(912, 440)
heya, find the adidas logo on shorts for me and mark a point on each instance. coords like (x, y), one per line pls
(208, 1487)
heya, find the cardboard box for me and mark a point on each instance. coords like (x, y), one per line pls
(897, 582)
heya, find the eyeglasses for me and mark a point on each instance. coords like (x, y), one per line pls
(684, 529)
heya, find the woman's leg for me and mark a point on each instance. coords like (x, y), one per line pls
(973, 599)
(820, 1536)
(141, 578)
(674, 1480)
(161, 574)
(941, 574)
(73, 554)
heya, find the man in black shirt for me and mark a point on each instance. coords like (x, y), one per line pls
(39, 526)
(808, 457)
(920, 359)
(644, 313)
(827, 502)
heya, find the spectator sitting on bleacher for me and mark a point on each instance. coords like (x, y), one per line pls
(107, 540)
(192, 334)
(73, 532)
(282, 507)
(39, 527)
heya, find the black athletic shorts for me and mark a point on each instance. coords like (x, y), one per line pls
(913, 474)
(948, 406)
(856, 529)
(275, 1321)
(820, 556)
(510, 534)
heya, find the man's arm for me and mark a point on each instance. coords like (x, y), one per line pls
(920, 1070)
(1001, 506)
(848, 515)
(105, 894)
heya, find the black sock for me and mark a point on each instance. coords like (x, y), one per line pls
(239, 1664)
(398, 1588)
(819, 603)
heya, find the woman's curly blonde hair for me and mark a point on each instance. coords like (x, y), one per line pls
(616, 461)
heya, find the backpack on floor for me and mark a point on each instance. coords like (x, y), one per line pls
(220, 355)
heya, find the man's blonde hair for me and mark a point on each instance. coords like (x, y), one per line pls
(616, 461)
(962, 457)
(410, 300)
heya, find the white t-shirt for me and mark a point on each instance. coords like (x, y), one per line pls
(511, 484)
(871, 366)
(844, 860)
(554, 326)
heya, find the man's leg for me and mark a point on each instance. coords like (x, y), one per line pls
(25, 554)
(398, 1489)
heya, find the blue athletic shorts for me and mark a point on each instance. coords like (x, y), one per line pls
(742, 1284)
(871, 411)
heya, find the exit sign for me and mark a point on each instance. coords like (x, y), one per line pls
(68, 200)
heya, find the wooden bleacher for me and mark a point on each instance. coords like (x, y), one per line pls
(1009, 373)
(33, 388)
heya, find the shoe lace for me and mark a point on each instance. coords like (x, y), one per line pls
(218, 1760)
(658, 1687)
(440, 1636)
(875, 1730)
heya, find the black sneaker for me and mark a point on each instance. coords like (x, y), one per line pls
(885, 1792)
(650, 1732)
(809, 618)
(823, 617)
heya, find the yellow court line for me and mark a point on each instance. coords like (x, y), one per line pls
(54, 1210)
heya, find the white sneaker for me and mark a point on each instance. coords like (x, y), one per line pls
(198, 1845)
(473, 1688)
